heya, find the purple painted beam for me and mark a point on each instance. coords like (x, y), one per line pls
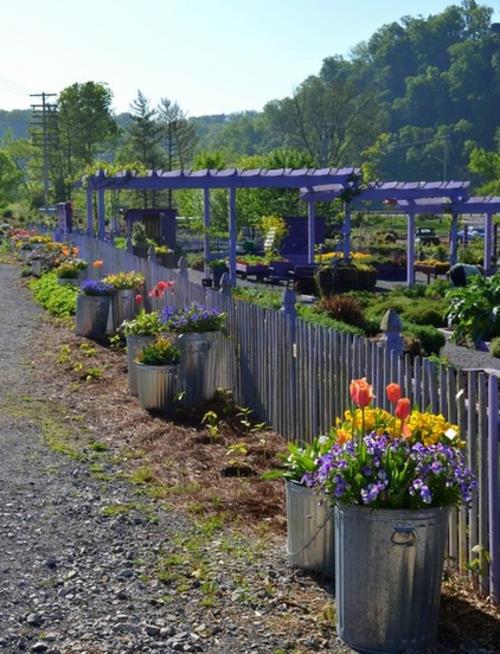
(233, 235)
(410, 249)
(206, 225)
(346, 229)
(101, 230)
(90, 211)
(311, 230)
(488, 242)
(454, 239)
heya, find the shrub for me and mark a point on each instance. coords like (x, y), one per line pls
(431, 340)
(343, 308)
(196, 261)
(438, 288)
(59, 300)
(265, 299)
(474, 309)
(310, 314)
(495, 347)
(426, 313)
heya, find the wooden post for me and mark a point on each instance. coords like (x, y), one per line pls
(233, 235)
(206, 225)
(392, 327)
(454, 239)
(410, 248)
(289, 299)
(101, 211)
(225, 285)
(493, 489)
(347, 233)
(311, 230)
(488, 242)
(90, 211)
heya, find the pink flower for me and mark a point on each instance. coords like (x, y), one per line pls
(138, 299)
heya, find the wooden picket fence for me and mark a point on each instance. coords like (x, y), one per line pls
(295, 376)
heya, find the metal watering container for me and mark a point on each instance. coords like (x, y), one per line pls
(310, 530)
(388, 570)
(198, 364)
(135, 344)
(92, 312)
(122, 306)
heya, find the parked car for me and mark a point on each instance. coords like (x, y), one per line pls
(426, 236)
(472, 233)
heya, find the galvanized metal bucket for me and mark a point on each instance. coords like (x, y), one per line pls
(310, 530)
(92, 313)
(66, 281)
(36, 267)
(199, 358)
(25, 255)
(157, 386)
(122, 307)
(388, 570)
(135, 344)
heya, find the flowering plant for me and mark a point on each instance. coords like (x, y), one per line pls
(411, 460)
(163, 352)
(125, 280)
(195, 318)
(300, 461)
(93, 287)
(144, 324)
(161, 288)
(71, 268)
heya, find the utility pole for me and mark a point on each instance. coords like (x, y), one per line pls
(43, 123)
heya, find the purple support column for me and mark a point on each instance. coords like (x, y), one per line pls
(346, 228)
(101, 211)
(90, 211)
(454, 239)
(311, 230)
(232, 235)
(206, 225)
(493, 489)
(488, 241)
(410, 249)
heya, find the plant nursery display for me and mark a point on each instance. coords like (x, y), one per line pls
(125, 286)
(139, 332)
(157, 368)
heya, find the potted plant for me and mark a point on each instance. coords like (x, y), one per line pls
(392, 489)
(165, 256)
(125, 287)
(157, 369)
(139, 332)
(140, 241)
(310, 523)
(198, 328)
(218, 268)
(92, 308)
(70, 271)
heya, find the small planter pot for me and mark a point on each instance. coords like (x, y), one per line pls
(135, 344)
(92, 312)
(141, 250)
(167, 260)
(388, 570)
(157, 386)
(37, 267)
(199, 362)
(25, 255)
(217, 275)
(123, 307)
(310, 530)
(207, 282)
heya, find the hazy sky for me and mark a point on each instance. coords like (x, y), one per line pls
(212, 56)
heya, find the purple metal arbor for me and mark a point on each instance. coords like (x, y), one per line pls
(231, 179)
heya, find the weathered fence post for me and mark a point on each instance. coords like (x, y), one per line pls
(130, 247)
(288, 308)
(183, 268)
(392, 327)
(152, 254)
(493, 489)
(226, 285)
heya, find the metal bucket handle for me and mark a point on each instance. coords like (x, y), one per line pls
(403, 535)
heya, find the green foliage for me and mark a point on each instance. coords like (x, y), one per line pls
(426, 313)
(263, 298)
(299, 460)
(163, 352)
(430, 339)
(125, 280)
(10, 179)
(144, 324)
(311, 314)
(343, 308)
(472, 253)
(475, 309)
(59, 300)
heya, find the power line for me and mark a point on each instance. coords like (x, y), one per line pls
(44, 117)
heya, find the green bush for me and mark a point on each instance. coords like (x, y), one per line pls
(474, 309)
(196, 261)
(438, 288)
(310, 314)
(59, 300)
(426, 313)
(265, 299)
(495, 347)
(431, 340)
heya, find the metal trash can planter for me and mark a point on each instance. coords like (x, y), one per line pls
(157, 386)
(123, 306)
(199, 358)
(92, 313)
(135, 345)
(388, 571)
(310, 530)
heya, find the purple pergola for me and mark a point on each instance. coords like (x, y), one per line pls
(410, 198)
(205, 180)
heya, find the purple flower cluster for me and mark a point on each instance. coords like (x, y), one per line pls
(386, 472)
(195, 318)
(94, 287)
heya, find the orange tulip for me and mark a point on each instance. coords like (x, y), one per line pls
(403, 408)
(393, 392)
(361, 392)
(98, 263)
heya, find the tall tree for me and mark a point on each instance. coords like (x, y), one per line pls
(144, 134)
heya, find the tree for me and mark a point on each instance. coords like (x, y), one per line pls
(144, 134)
(10, 179)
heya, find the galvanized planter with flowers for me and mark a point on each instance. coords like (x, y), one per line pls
(157, 370)
(92, 308)
(392, 479)
(197, 328)
(126, 286)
